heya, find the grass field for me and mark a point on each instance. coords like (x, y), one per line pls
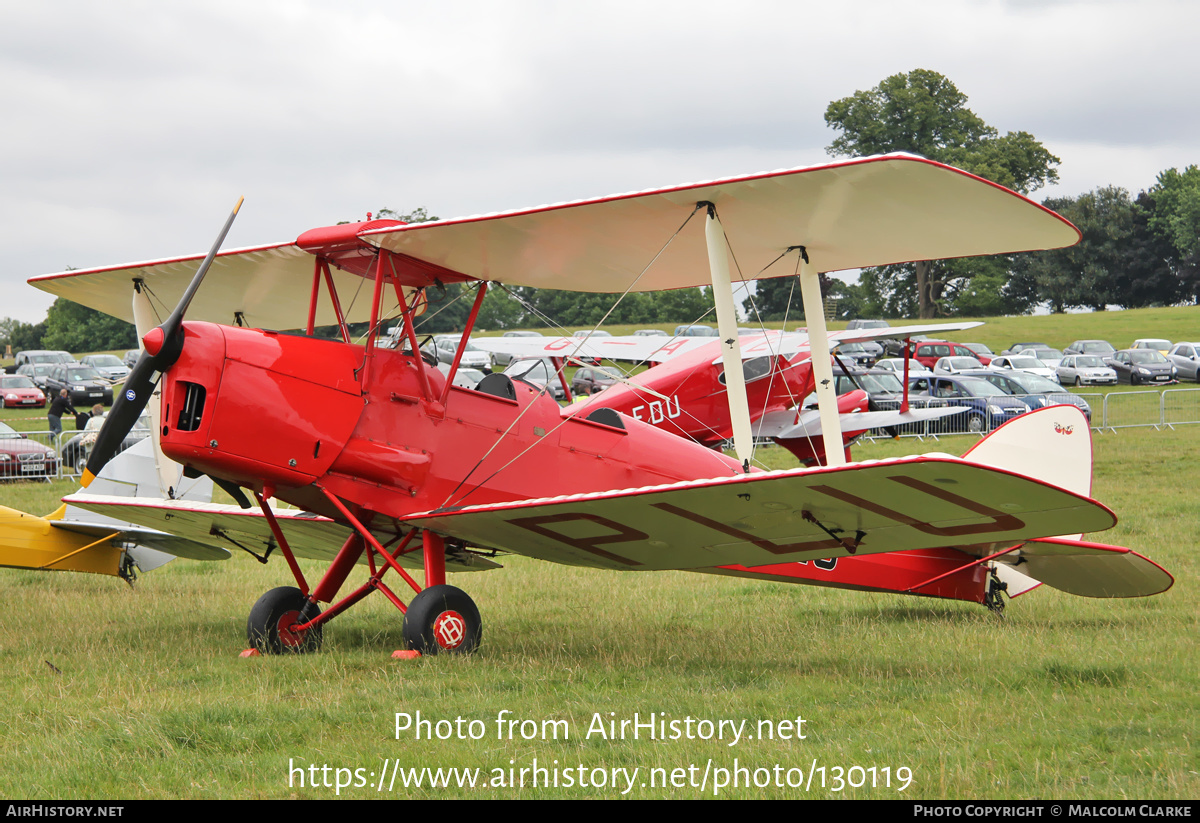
(119, 692)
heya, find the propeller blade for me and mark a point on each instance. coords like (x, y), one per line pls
(164, 344)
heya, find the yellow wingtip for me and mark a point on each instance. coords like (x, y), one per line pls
(87, 478)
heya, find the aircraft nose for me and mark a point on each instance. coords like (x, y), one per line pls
(163, 347)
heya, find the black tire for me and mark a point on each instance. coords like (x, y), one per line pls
(975, 423)
(443, 620)
(269, 627)
(1078, 383)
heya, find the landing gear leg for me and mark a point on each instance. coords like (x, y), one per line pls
(441, 619)
(992, 596)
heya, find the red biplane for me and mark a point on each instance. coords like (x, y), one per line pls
(377, 444)
(685, 392)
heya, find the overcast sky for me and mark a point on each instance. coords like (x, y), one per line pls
(130, 128)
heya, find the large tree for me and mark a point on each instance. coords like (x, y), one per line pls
(924, 113)
(75, 328)
(1173, 212)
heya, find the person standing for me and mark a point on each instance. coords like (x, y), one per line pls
(60, 406)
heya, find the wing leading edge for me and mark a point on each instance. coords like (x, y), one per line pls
(849, 214)
(774, 517)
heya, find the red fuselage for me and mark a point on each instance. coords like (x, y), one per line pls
(696, 404)
(257, 407)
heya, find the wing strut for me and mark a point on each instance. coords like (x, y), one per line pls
(818, 343)
(731, 350)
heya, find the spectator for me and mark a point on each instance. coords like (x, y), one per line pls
(61, 405)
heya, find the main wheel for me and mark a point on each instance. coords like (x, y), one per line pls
(443, 620)
(270, 628)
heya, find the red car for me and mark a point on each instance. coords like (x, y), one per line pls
(928, 352)
(23, 457)
(20, 391)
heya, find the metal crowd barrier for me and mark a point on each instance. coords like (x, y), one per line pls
(31, 456)
(1109, 411)
(1180, 406)
(1118, 410)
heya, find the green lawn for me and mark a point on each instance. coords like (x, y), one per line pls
(114, 691)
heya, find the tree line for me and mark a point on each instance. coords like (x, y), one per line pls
(1134, 252)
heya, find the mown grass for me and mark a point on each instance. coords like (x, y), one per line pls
(114, 691)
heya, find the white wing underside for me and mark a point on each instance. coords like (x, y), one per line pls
(850, 214)
(645, 349)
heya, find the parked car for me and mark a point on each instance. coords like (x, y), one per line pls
(23, 457)
(446, 345)
(1186, 359)
(696, 330)
(982, 353)
(20, 391)
(896, 365)
(863, 356)
(500, 359)
(894, 346)
(1085, 370)
(1100, 347)
(39, 356)
(886, 392)
(650, 333)
(83, 383)
(930, 351)
(76, 450)
(1155, 343)
(1049, 357)
(1137, 366)
(954, 365)
(37, 372)
(987, 405)
(591, 380)
(109, 366)
(131, 357)
(538, 372)
(1024, 362)
(1034, 390)
(1017, 348)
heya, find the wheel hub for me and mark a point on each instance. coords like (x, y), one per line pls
(449, 629)
(288, 636)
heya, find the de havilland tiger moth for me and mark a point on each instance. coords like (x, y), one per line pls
(393, 467)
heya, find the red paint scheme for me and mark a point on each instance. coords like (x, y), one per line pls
(356, 432)
(917, 572)
(698, 404)
(272, 399)
(289, 411)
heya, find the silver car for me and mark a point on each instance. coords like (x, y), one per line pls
(954, 365)
(1186, 359)
(1023, 362)
(1085, 370)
